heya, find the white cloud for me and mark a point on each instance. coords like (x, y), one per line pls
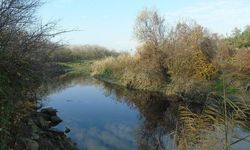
(218, 15)
(111, 136)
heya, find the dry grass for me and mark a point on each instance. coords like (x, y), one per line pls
(116, 65)
(128, 70)
(212, 128)
(242, 58)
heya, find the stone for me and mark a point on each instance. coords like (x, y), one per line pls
(67, 130)
(50, 111)
(45, 116)
(55, 120)
(56, 131)
(43, 123)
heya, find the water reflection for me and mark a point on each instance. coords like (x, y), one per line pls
(103, 116)
(158, 116)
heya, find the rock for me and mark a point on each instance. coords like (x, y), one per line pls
(38, 134)
(56, 131)
(67, 130)
(55, 120)
(42, 123)
(50, 111)
(47, 117)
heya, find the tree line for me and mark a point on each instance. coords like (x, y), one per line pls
(80, 53)
(176, 59)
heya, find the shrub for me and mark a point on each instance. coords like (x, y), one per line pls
(242, 58)
(116, 65)
(184, 53)
(239, 39)
(107, 73)
(191, 52)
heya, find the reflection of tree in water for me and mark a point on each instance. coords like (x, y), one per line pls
(167, 124)
(61, 82)
(158, 116)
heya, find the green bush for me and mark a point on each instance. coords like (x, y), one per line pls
(107, 73)
(240, 39)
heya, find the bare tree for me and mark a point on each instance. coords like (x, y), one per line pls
(22, 39)
(150, 27)
(151, 32)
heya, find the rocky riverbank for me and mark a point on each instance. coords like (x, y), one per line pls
(39, 132)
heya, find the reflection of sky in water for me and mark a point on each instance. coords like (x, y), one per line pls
(96, 121)
(99, 122)
(244, 145)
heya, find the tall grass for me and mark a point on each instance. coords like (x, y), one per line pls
(129, 71)
(213, 128)
(112, 67)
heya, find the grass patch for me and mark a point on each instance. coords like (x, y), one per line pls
(230, 88)
(107, 73)
(79, 67)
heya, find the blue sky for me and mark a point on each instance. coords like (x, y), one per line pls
(110, 23)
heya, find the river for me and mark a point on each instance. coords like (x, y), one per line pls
(107, 117)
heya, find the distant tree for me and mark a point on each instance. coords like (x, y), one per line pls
(236, 32)
(78, 53)
(239, 39)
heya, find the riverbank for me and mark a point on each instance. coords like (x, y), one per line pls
(20, 121)
(36, 129)
(81, 67)
(128, 86)
(235, 84)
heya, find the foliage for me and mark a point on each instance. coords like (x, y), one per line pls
(214, 125)
(191, 50)
(219, 87)
(129, 71)
(165, 55)
(76, 53)
(240, 39)
(112, 67)
(78, 68)
(238, 47)
(24, 48)
(242, 62)
(150, 27)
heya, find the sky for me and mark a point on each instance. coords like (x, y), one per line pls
(109, 23)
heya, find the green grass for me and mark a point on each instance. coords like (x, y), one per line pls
(79, 67)
(230, 89)
(235, 83)
(107, 73)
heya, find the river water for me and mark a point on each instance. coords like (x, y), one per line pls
(107, 117)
